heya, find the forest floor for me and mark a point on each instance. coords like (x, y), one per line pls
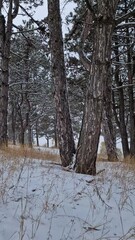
(39, 200)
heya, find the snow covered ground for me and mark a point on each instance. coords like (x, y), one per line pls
(41, 201)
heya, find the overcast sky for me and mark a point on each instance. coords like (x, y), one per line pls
(41, 12)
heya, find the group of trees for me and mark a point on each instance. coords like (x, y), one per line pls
(85, 91)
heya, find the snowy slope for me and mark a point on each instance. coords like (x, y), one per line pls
(41, 201)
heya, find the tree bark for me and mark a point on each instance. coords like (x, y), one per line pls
(121, 120)
(37, 135)
(30, 139)
(13, 125)
(109, 138)
(21, 136)
(64, 128)
(131, 100)
(108, 128)
(5, 36)
(96, 90)
(3, 81)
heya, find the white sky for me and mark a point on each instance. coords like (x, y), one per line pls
(41, 12)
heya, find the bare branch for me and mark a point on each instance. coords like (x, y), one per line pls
(38, 23)
(20, 30)
(24, 31)
(125, 25)
(125, 17)
(123, 86)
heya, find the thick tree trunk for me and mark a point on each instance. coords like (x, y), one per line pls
(4, 61)
(96, 93)
(64, 128)
(5, 36)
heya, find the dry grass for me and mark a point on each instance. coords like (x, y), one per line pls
(102, 158)
(129, 160)
(26, 152)
(120, 174)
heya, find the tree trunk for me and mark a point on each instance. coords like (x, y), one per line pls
(29, 136)
(96, 92)
(37, 136)
(55, 135)
(13, 125)
(108, 128)
(4, 45)
(131, 99)
(122, 125)
(47, 139)
(109, 139)
(5, 37)
(121, 120)
(64, 128)
(21, 136)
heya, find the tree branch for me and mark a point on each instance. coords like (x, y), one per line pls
(38, 23)
(1, 4)
(123, 86)
(16, 8)
(125, 25)
(20, 30)
(90, 7)
(125, 17)
(77, 21)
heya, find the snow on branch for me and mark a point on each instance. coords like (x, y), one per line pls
(40, 25)
(125, 17)
(123, 86)
(124, 25)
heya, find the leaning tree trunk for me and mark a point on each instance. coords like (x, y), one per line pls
(64, 128)
(96, 89)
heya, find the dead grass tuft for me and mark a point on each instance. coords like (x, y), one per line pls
(31, 153)
(101, 158)
(129, 160)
